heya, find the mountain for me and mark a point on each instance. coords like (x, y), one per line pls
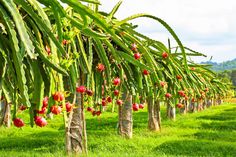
(227, 65)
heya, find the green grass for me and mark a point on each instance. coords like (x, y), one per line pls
(208, 133)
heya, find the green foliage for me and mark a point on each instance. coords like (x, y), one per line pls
(20, 26)
(228, 76)
(227, 65)
(233, 77)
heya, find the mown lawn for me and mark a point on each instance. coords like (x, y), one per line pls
(208, 133)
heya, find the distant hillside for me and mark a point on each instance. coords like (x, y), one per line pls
(228, 65)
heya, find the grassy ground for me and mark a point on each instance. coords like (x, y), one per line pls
(208, 133)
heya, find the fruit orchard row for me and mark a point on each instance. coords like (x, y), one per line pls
(59, 60)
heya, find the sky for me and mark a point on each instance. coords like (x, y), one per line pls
(207, 26)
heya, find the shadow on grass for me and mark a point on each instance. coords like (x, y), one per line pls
(225, 121)
(51, 142)
(195, 148)
(216, 136)
(220, 117)
(223, 126)
(228, 114)
(139, 119)
(101, 123)
(107, 126)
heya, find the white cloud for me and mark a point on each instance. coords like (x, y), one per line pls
(206, 25)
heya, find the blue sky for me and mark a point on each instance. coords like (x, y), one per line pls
(207, 26)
